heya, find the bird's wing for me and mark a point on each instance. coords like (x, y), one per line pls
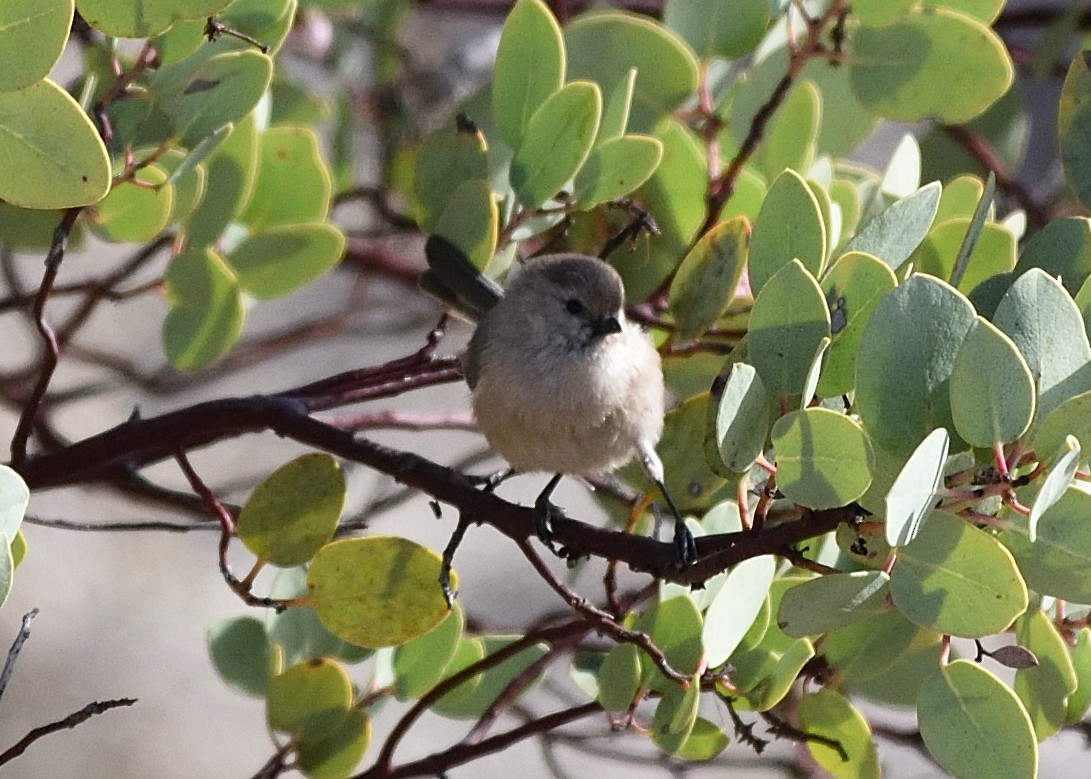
(451, 279)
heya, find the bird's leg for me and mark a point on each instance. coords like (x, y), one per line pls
(543, 513)
(684, 544)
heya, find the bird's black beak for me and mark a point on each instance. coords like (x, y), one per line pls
(605, 325)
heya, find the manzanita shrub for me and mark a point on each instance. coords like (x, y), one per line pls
(881, 377)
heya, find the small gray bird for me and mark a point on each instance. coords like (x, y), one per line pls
(561, 381)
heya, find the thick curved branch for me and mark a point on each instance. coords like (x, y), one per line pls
(137, 443)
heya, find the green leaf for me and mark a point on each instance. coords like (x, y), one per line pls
(735, 608)
(788, 226)
(1080, 700)
(1042, 320)
(206, 309)
(904, 364)
(973, 234)
(1054, 485)
(615, 168)
(205, 91)
(32, 36)
(1062, 249)
(1074, 125)
(333, 754)
(1044, 689)
(992, 392)
(1058, 561)
(739, 419)
(377, 591)
(7, 568)
(766, 676)
(14, 499)
(676, 195)
(298, 631)
(445, 160)
(830, 714)
(529, 68)
(470, 699)
(266, 21)
(558, 138)
(826, 603)
(309, 699)
(823, 458)
(294, 512)
(19, 548)
(187, 176)
(956, 579)
(143, 18)
(1073, 417)
(790, 141)
(280, 260)
(241, 653)
(137, 210)
(853, 288)
(51, 154)
(960, 710)
(471, 222)
(706, 280)
(293, 183)
(787, 324)
(604, 47)
(960, 198)
(420, 663)
(231, 170)
(705, 741)
(619, 678)
(881, 12)
(993, 253)
(689, 477)
(913, 493)
(718, 28)
(870, 648)
(895, 69)
(675, 626)
(899, 229)
(615, 109)
(675, 716)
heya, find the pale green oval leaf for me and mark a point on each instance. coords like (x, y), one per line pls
(471, 221)
(136, 210)
(615, 168)
(32, 36)
(420, 663)
(241, 652)
(829, 714)
(735, 607)
(206, 309)
(960, 709)
(853, 288)
(894, 69)
(992, 392)
(604, 47)
(904, 363)
(739, 419)
(911, 497)
(619, 678)
(231, 170)
(377, 591)
(278, 261)
(333, 754)
(51, 154)
(445, 161)
(722, 28)
(529, 68)
(956, 579)
(899, 229)
(823, 458)
(826, 603)
(1044, 688)
(789, 226)
(293, 183)
(787, 324)
(1074, 126)
(706, 281)
(294, 511)
(309, 699)
(143, 18)
(1054, 485)
(558, 138)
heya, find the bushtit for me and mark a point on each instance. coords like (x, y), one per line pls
(561, 381)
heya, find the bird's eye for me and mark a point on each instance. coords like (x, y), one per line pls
(574, 306)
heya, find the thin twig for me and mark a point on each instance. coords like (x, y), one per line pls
(16, 647)
(71, 721)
